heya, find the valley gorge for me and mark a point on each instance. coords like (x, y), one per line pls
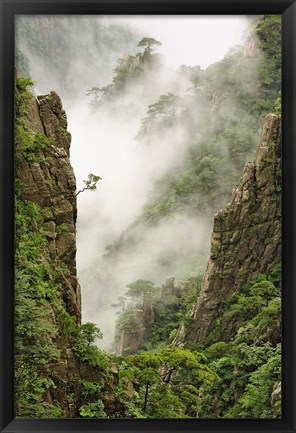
(245, 231)
(175, 312)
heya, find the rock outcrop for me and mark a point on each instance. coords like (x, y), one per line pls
(246, 238)
(46, 178)
(129, 336)
(137, 324)
(50, 183)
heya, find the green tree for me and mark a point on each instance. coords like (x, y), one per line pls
(149, 376)
(162, 111)
(89, 333)
(90, 183)
(164, 403)
(264, 289)
(96, 93)
(84, 345)
(149, 44)
(93, 410)
(256, 401)
(165, 373)
(140, 289)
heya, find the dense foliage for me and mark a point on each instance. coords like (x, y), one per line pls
(242, 353)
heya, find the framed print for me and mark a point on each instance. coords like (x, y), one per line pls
(147, 216)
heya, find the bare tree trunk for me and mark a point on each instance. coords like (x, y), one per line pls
(146, 397)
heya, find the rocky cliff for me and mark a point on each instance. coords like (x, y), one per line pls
(45, 179)
(66, 371)
(129, 336)
(246, 237)
(50, 183)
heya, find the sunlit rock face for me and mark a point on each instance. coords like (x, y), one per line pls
(246, 237)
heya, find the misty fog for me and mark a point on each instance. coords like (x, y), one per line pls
(103, 143)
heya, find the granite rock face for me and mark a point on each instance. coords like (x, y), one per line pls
(48, 180)
(127, 341)
(51, 184)
(246, 237)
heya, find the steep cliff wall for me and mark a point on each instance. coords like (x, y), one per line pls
(50, 183)
(246, 237)
(59, 370)
(46, 206)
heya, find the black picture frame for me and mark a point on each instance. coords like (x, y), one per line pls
(10, 8)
